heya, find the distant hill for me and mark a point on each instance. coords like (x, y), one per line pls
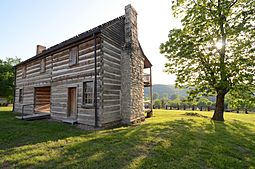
(165, 90)
(169, 90)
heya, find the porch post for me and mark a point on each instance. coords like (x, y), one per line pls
(151, 90)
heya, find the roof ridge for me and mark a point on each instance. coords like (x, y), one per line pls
(99, 27)
(74, 39)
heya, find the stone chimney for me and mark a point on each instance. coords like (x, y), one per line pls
(40, 49)
(132, 62)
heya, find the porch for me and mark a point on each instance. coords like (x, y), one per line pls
(147, 79)
(40, 108)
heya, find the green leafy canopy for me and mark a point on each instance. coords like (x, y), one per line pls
(7, 77)
(194, 53)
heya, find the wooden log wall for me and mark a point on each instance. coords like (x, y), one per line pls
(60, 76)
(113, 41)
(65, 76)
(34, 78)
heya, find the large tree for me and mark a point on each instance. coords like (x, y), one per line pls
(7, 77)
(214, 50)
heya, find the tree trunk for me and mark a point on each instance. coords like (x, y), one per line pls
(193, 107)
(219, 110)
(246, 111)
(184, 107)
(223, 87)
(237, 111)
(201, 108)
(208, 108)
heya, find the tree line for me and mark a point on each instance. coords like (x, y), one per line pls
(176, 102)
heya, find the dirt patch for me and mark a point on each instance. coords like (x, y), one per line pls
(195, 114)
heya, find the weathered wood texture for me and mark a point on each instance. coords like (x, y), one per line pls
(60, 76)
(113, 41)
(64, 77)
(34, 78)
(42, 99)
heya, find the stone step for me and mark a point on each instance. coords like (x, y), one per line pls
(70, 121)
(38, 116)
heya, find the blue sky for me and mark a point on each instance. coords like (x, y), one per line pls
(27, 23)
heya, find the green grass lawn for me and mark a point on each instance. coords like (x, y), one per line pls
(168, 140)
(5, 108)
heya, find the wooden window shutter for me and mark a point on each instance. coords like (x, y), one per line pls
(43, 65)
(24, 71)
(20, 95)
(73, 56)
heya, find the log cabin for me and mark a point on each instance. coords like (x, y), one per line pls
(95, 78)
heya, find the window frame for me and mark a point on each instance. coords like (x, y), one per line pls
(88, 105)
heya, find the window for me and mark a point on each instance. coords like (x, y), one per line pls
(43, 65)
(20, 95)
(88, 98)
(24, 71)
(73, 56)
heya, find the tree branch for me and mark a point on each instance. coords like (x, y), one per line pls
(233, 4)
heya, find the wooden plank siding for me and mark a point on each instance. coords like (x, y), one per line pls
(112, 43)
(42, 99)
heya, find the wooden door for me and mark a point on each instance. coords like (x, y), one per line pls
(42, 99)
(72, 102)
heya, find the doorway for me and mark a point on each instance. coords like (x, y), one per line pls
(72, 103)
(42, 100)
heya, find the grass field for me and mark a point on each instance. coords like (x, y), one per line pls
(170, 139)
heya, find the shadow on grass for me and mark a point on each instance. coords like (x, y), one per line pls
(15, 133)
(182, 143)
